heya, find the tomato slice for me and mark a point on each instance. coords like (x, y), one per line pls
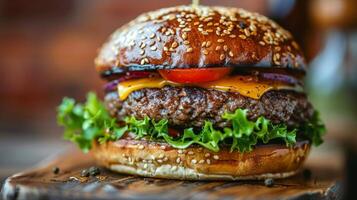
(196, 75)
(174, 133)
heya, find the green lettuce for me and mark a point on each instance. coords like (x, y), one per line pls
(85, 123)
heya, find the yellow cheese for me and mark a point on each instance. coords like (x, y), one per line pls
(240, 84)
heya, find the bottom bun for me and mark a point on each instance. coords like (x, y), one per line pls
(159, 160)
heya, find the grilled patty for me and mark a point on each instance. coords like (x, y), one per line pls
(190, 106)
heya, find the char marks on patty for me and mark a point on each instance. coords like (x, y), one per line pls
(191, 106)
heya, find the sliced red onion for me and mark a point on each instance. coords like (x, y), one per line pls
(112, 85)
(281, 78)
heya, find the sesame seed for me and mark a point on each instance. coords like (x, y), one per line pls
(218, 48)
(203, 44)
(174, 45)
(178, 160)
(163, 147)
(243, 37)
(142, 52)
(201, 161)
(222, 57)
(143, 45)
(184, 36)
(208, 44)
(159, 161)
(225, 48)
(166, 49)
(216, 157)
(152, 43)
(220, 40)
(208, 19)
(186, 30)
(190, 153)
(179, 151)
(253, 28)
(246, 32)
(194, 161)
(141, 146)
(186, 42)
(209, 24)
(152, 35)
(207, 155)
(209, 30)
(132, 43)
(232, 36)
(163, 30)
(142, 61)
(230, 54)
(189, 50)
(205, 52)
(158, 39)
(208, 161)
(145, 166)
(165, 159)
(196, 23)
(262, 43)
(161, 156)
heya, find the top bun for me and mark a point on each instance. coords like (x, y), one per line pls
(200, 37)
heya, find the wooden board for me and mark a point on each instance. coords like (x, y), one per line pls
(42, 183)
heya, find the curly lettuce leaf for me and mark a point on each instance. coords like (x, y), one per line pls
(85, 123)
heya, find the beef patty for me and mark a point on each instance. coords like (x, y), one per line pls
(191, 106)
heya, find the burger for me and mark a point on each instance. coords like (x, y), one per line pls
(198, 93)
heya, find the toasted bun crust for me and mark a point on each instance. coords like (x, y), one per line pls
(200, 37)
(159, 160)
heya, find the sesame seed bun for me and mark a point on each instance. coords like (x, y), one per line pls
(159, 160)
(199, 37)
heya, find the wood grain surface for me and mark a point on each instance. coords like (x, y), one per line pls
(42, 183)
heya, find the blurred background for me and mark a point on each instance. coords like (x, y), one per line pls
(47, 50)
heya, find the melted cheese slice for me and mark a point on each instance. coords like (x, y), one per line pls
(240, 84)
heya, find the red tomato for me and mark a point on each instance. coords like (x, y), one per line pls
(174, 133)
(195, 75)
